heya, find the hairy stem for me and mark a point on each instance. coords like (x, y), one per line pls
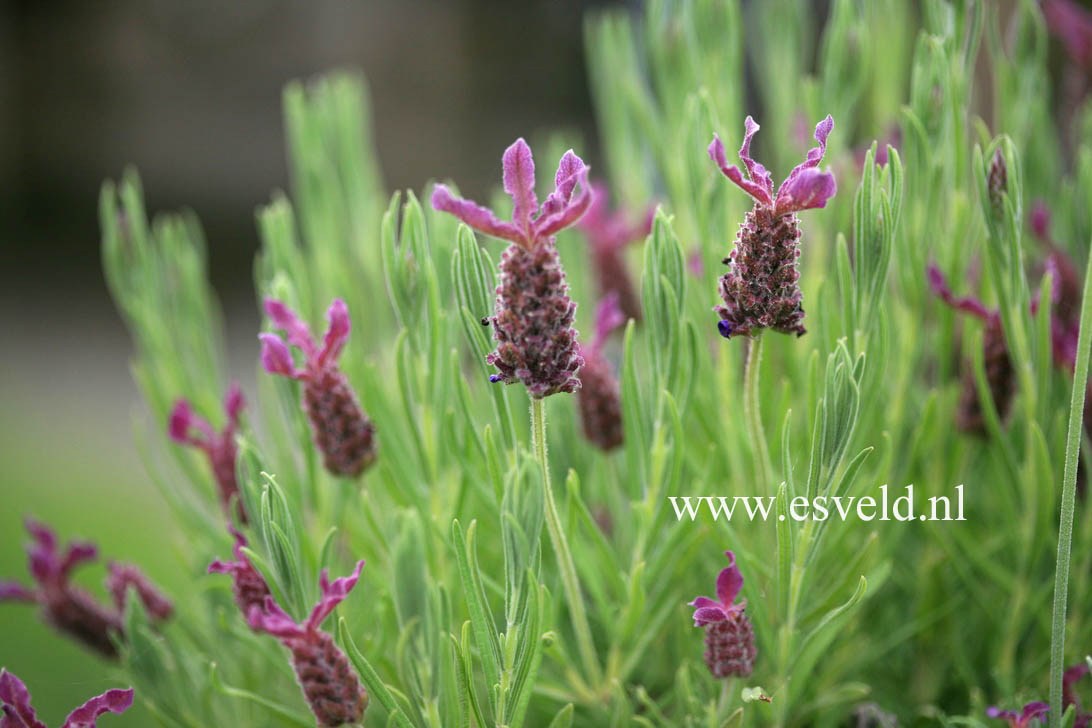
(565, 563)
(1069, 491)
(751, 413)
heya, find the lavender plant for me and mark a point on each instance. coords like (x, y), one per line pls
(463, 618)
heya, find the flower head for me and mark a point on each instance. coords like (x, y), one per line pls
(70, 609)
(760, 289)
(186, 427)
(533, 320)
(608, 234)
(599, 397)
(729, 637)
(343, 433)
(328, 681)
(1031, 713)
(531, 223)
(248, 585)
(18, 713)
(1000, 374)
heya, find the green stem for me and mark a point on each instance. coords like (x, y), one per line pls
(569, 580)
(751, 412)
(1069, 490)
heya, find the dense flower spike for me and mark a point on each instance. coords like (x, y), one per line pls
(248, 585)
(18, 713)
(1032, 713)
(760, 289)
(999, 370)
(729, 638)
(608, 234)
(328, 681)
(343, 433)
(532, 325)
(70, 609)
(600, 398)
(186, 427)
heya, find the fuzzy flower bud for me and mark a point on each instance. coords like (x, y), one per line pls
(997, 182)
(608, 234)
(342, 432)
(324, 673)
(1000, 375)
(599, 397)
(532, 324)
(729, 637)
(17, 712)
(187, 428)
(248, 586)
(71, 610)
(761, 289)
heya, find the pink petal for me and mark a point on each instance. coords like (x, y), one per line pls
(966, 304)
(332, 594)
(732, 172)
(755, 171)
(815, 156)
(549, 225)
(296, 331)
(182, 421)
(123, 576)
(77, 553)
(276, 358)
(608, 317)
(11, 591)
(805, 190)
(703, 602)
(481, 219)
(519, 182)
(14, 694)
(112, 701)
(708, 615)
(271, 619)
(234, 403)
(336, 334)
(570, 170)
(729, 581)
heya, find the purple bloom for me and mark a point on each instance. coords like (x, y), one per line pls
(599, 398)
(1065, 318)
(729, 637)
(760, 289)
(1000, 375)
(609, 233)
(328, 681)
(532, 324)
(18, 713)
(1073, 25)
(1032, 712)
(1069, 695)
(186, 427)
(343, 433)
(70, 609)
(248, 585)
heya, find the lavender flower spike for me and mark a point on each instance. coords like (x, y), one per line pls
(760, 289)
(185, 427)
(1000, 374)
(1031, 713)
(729, 637)
(328, 681)
(532, 324)
(16, 711)
(599, 397)
(608, 234)
(248, 585)
(343, 433)
(70, 609)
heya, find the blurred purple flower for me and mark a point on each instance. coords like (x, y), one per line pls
(1069, 694)
(186, 427)
(729, 637)
(342, 432)
(328, 681)
(1000, 375)
(1065, 315)
(609, 233)
(1032, 712)
(599, 398)
(68, 608)
(760, 289)
(248, 586)
(532, 324)
(18, 713)
(1073, 26)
